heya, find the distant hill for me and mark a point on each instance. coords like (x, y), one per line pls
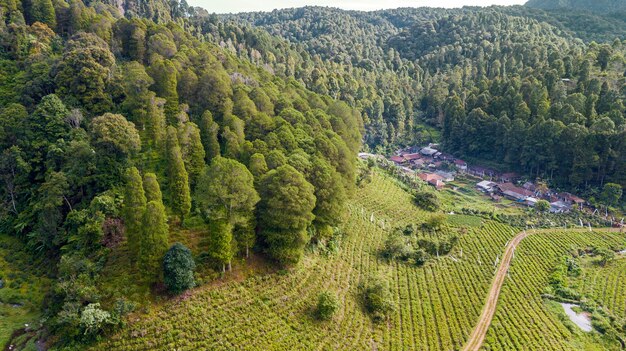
(602, 6)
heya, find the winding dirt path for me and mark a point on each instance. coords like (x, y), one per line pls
(478, 335)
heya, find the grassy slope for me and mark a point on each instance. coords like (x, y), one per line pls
(436, 305)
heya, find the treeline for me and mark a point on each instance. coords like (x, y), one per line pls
(115, 133)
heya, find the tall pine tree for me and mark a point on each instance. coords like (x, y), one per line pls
(154, 240)
(133, 210)
(179, 194)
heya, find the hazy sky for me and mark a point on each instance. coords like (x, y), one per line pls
(225, 6)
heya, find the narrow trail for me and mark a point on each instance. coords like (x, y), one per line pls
(477, 337)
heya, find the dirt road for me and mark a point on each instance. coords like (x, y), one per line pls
(478, 335)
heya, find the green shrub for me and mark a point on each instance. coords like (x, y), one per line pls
(327, 305)
(377, 298)
(178, 267)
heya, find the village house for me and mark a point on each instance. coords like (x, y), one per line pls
(446, 176)
(399, 160)
(514, 193)
(428, 151)
(432, 179)
(486, 186)
(481, 171)
(411, 157)
(460, 164)
(531, 201)
(571, 199)
(508, 177)
(560, 207)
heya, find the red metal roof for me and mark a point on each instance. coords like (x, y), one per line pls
(397, 159)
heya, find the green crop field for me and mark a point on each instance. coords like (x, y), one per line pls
(436, 306)
(523, 319)
(607, 285)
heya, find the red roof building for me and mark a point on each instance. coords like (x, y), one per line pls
(397, 159)
(411, 157)
(433, 179)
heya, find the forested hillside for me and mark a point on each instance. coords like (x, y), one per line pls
(509, 85)
(150, 147)
(119, 135)
(601, 6)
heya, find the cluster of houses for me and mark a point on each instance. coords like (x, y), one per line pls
(436, 168)
(426, 163)
(529, 194)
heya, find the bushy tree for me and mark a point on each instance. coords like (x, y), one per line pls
(85, 71)
(178, 267)
(284, 213)
(327, 305)
(542, 206)
(377, 297)
(113, 133)
(226, 192)
(426, 200)
(611, 194)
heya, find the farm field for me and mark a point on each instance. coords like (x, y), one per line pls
(436, 306)
(523, 319)
(606, 285)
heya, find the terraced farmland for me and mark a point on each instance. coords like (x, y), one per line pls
(437, 305)
(522, 320)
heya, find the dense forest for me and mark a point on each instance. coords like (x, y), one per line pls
(601, 6)
(124, 124)
(501, 84)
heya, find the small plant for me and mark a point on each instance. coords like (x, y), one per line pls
(327, 305)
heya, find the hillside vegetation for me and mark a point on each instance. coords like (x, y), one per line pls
(602, 6)
(172, 179)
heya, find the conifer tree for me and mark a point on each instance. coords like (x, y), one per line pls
(154, 240)
(208, 132)
(180, 198)
(258, 166)
(220, 240)
(152, 188)
(163, 72)
(192, 149)
(133, 210)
